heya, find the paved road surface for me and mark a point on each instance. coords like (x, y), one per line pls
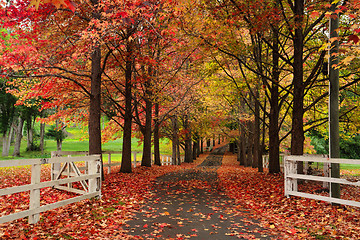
(183, 211)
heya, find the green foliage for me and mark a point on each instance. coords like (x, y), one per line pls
(320, 143)
(349, 145)
(350, 148)
(7, 107)
(34, 146)
(232, 125)
(55, 133)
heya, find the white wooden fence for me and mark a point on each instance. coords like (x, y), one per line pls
(291, 177)
(90, 182)
(265, 160)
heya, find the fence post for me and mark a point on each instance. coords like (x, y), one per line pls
(290, 167)
(35, 193)
(109, 163)
(286, 173)
(326, 174)
(265, 161)
(95, 168)
(55, 167)
(86, 165)
(69, 172)
(134, 159)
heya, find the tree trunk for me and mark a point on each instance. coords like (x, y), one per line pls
(257, 147)
(175, 140)
(178, 153)
(10, 139)
(208, 142)
(188, 141)
(157, 160)
(95, 105)
(58, 145)
(42, 136)
(146, 157)
(238, 153)
(7, 142)
(198, 148)
(274, 142)
(248, 156)
(334, 148)
(4, 142)
(297, 133)
(126, 151)
(29, 133)
(263, 135)
(194, 151)
(242, 146)
(18, 138)
(254, 160)
(58, 141)
(188, 151)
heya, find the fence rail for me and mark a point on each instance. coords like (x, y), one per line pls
(291, 177)
(92, 177)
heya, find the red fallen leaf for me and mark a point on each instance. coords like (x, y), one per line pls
(162, 225)
(145, 226)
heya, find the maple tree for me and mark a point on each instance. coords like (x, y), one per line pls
(45, 68)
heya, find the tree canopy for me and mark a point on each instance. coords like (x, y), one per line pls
(245, 69)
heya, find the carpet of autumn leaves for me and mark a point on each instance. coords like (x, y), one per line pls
(122, 195)
(260, 194)
(291, 218)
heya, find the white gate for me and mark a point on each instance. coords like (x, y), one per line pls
(91, 181)
(291, 177)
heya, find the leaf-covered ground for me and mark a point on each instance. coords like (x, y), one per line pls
(291, 218)
(257, 195)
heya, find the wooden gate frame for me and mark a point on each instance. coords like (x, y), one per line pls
(93, 176)
(291, 176)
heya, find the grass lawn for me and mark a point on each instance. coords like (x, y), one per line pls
(77, 140)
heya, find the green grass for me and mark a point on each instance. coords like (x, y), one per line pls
(74, 142)
(349, 166)
(342, 166)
